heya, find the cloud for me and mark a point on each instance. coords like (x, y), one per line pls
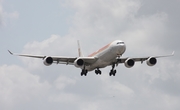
(96, 23)
(1, 13)
(146, 32)
(13, 15)
(64, 98)
(53, 46)
(98, 19)
(62, 95)
(7, 17)
(18, 85)
(62, 82)
(109, 21)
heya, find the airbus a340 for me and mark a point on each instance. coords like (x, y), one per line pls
(109, 55)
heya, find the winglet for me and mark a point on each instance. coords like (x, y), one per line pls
(172, 53)
(10, 52)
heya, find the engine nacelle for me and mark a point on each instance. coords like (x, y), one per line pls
(129, 63)
(79, 63)
(48, 61)
(151, 61)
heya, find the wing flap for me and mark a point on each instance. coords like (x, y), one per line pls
(70, 60)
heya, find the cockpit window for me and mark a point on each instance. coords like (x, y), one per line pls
(120, 42)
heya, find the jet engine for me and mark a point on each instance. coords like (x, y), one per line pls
(129, 63)
(79, 63)
(48, 61)
(151, 61)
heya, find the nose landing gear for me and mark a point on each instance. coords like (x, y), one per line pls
(97, 71)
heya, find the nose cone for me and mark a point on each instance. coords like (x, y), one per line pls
(123, 48)
(120, 47)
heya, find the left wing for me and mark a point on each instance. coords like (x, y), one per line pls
(48, 60)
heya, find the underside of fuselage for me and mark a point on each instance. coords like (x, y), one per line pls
(106, 57)
(102, 62)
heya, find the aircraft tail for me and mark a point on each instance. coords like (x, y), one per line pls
(79, 50)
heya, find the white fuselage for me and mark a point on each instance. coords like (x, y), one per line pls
(107, 55)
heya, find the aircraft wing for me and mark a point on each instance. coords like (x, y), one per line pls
(142, 59)
(59, 59)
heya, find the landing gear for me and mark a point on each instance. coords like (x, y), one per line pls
(84, 72)
(97, 71)
(112, 72)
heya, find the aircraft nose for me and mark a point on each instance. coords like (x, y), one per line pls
(119, 47)
(122, 48)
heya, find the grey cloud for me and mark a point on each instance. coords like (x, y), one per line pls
(94, 24)
(1, 13)
(6, 17)
(170, 39)
(136, 88)
(18, 86)
(98, 20)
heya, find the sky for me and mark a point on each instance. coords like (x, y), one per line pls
(148, 28)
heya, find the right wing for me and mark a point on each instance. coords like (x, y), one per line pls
(151, 60)
(142, 59)
(59, 59)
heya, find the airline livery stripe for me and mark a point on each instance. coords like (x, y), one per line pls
(100, 50)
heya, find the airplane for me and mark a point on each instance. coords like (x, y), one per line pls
(109, 55)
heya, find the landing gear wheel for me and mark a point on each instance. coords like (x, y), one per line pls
(114, 72)
(110, 72)
(98, 72)
(84, 72)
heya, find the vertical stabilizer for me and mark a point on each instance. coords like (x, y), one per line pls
(79, 50)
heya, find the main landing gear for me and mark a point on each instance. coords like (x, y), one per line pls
(112, 72)
(97, 71)
(84, 72)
